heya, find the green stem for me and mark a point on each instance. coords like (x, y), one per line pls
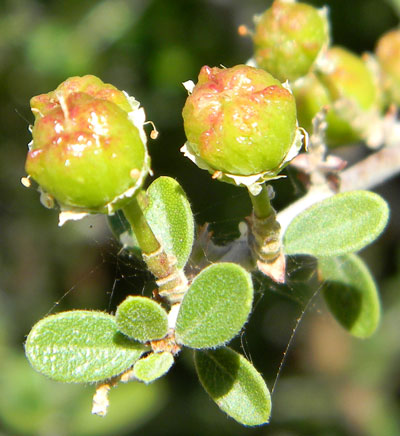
(264, 239)
(171, 281)
(144, 235)
(261, 203)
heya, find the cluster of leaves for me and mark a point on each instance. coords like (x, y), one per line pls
(326, 231)
(88, 346)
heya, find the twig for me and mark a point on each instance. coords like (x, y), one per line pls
(366, 174)
(372, 171)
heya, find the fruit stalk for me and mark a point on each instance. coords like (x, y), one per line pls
(171, 281)
(264, 237)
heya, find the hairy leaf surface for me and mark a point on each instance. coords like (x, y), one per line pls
(344, 223)
(153, 366)
(142, 319)
(351, 294)
(215, 307)
(235, 385)
(80, 346)
(169, 215)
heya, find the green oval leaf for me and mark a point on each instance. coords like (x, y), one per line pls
(80, 346)
(142, 319)
(153, 366)
(351, 294)
(235, 385)
(341, 224)
(170, 217)
(215, 307)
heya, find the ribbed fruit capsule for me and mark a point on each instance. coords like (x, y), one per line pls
(89, 148)
(240, 122)
(289, 38)
(347, 89)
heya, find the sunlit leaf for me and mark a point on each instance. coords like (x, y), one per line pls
(80, 346)
(215, 307)
(142, 319)
(341, 224)
(170, 217)
(235, 385)
(153, 366)
(351, 293)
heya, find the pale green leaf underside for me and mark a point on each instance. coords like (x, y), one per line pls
(235, 385)
(351, 294)
(142, 319)
(170, 217)
(344, 223)
(80, 346)
(215, 307)
(153, 366)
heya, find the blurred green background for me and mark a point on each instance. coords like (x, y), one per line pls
(331, 383)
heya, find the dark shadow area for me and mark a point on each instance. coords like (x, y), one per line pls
(344, 301)
(217, 370)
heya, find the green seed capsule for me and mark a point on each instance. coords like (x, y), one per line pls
(240, 121)
(289, 37)
(89, 147)
(347, 89)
